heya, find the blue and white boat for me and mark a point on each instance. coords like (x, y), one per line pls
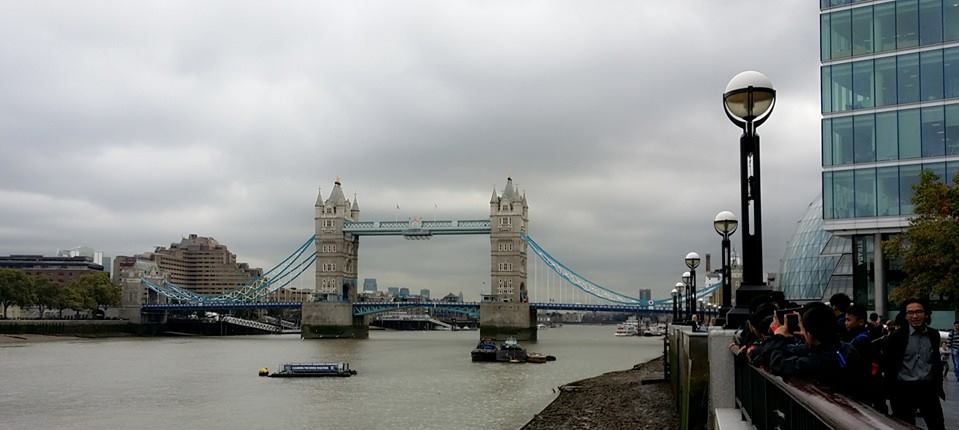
(305, 370)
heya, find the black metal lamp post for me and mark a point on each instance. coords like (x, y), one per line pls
(749, 100)
(679, 301)
(725, 224)
(675, 295)
(692, 262)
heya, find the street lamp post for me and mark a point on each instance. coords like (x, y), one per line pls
(749, 100)
(679, 301)
(725, 224)
(675, 293)
(692, 262)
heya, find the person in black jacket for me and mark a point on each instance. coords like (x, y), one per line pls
(821, 356)
(913, 369)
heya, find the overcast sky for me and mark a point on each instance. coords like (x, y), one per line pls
(126, 125)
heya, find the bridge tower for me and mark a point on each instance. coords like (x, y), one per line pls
(505, 311)
(331, 312)
(508, 216)
(336, 251)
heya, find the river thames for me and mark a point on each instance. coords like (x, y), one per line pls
(410, 380)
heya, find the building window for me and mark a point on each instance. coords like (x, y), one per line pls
(952, 130)
(933, 132)
(862, 31)
(930, 73)
(907, 24)
(843, 194)
(842, 141)
(840, 34)
(865, 192)
(907, 69)
(950, 21)
(884, 26)
(862, 84)
(908, 177)
(885, 81)
(887, 191)
(930, 21)
(842, 87)
(887, 142)
(909, 135)
(864, 138)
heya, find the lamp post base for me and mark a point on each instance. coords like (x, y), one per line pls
(745, 296)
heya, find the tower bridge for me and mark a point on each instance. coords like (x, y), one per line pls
(334, 311)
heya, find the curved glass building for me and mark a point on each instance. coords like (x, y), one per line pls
(817, 264)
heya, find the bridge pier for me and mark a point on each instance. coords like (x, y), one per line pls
(502, 320)
(332, 320)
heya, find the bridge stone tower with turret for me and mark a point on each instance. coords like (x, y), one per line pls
(330, 315)
(506, 311)
(336, 251)
(508, 216)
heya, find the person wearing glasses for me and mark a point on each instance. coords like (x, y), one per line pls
(913, 368)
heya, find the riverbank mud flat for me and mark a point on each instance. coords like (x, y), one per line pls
(614, 400)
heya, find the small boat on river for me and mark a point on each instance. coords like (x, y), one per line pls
(508, 351)
(306, 370)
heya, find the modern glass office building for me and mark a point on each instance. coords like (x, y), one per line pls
(890, 109)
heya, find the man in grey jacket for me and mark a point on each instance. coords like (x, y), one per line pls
(913, 368)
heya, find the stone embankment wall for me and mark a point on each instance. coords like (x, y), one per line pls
(68, 327)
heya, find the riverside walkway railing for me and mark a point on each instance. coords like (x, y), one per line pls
(768, 402)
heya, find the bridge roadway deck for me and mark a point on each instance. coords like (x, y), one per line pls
(368, 308)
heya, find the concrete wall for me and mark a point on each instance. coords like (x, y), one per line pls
(722, 379)
(323, 320)
(502, 320)
(689, 364)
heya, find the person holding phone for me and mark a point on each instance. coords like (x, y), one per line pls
(820, 356)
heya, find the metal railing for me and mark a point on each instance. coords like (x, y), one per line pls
(768, 402)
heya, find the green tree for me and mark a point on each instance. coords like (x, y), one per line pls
(78, 295)
(929, 247)
(14, 289)
(45, 294)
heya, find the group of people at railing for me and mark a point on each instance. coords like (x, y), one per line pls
(898, 364)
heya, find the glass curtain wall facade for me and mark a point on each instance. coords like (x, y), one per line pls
(890, 103)
(817, 264)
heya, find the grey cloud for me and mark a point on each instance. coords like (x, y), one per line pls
(125, 126)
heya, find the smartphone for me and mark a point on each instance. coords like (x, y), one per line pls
(781, 313)
(792, 322)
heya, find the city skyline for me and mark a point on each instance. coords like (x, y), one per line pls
(608, 116)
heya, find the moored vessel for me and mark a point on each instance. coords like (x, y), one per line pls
(300, 370)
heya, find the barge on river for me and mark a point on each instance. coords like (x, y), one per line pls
(307, 370)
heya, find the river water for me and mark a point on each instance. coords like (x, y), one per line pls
(406, 380)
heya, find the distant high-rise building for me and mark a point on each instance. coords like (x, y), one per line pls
(98, 257)
(369, 285)
(404, 292)
(425, 293)
(645, 295)
(203, 265)
(394, 291)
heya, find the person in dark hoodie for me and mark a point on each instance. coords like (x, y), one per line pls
(859, 335)
(913, 368)
(821, 357)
